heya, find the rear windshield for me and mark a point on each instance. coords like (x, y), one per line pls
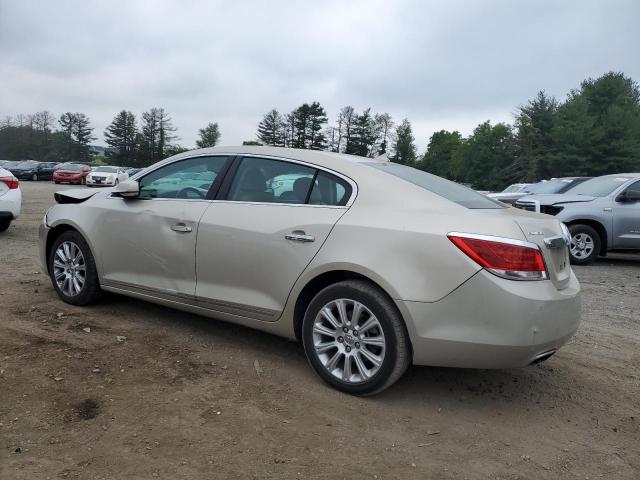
(445, 188)
(599, 186)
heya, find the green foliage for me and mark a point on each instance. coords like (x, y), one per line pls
(438, 159)
(534, 138)
(121, 135)
(485, 159)
(597, 129)
(304, 127)
(209, 136)
(272, 129)
(154, 141)
(252, 143)
(405, 148)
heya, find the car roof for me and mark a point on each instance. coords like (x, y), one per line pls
(319, 157)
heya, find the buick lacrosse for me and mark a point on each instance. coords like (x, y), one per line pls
(372, 265)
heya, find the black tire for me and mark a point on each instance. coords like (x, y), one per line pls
(56, 182)
(584, 257)
(91, 288)
(4, 224)
(397, 356)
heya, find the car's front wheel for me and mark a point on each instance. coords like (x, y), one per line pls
(4, 224)
(355, 338)
(585, 244)
(73, 270)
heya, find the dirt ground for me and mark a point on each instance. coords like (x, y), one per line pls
(126, 389)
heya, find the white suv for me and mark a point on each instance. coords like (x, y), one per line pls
(10, 198)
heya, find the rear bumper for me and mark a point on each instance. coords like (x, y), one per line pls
(11, 203)
(490, 322)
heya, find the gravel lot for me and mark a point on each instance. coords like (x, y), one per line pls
(187, 397)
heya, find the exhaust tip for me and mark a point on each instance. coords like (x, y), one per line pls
(541, 357)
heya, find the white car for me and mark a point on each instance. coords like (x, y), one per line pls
(106, 177)
(10, 198)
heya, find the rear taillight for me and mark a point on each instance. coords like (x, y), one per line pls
(10, 182)
(504, 257)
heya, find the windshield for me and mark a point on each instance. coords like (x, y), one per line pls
(106, 169)
(445, 188)
(599, 187)
(552, 186)
(512, 189)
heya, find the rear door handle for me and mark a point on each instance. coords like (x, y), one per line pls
(299, 236)
(181, 227)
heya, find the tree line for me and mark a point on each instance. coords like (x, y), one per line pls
(131, 141)
(594, 131)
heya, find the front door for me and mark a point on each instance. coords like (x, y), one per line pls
(626, 221)
(254, 243)
(149, 242)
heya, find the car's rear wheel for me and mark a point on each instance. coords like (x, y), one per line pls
(585, 244)
(4, 224)
(355, 339)
(73, 269)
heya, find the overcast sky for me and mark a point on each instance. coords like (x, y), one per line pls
(442, 64)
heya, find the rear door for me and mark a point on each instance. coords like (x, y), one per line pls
(626, 221)
(271, 219)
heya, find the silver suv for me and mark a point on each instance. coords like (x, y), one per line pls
(603, 215)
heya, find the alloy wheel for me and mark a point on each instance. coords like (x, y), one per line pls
(69, 269)
(581, 246)
(348, 340)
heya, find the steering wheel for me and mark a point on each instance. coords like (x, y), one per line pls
(184, 193)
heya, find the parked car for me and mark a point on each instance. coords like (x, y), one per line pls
(555, 185)
(10, 198)
(33, 170)
(74, 173)
(372, 264)
(603, 215)
(106, 177)
(509, 191)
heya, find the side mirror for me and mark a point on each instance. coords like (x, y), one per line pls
(629, 196)
(127, 189)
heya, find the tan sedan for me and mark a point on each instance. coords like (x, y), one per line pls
(371, 264)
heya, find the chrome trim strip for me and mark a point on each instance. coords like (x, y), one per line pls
(163, 163)
(213, 305)
(491, 238)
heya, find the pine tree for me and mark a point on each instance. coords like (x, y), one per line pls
(405, 148)
(156, 136)
(364, 134)
(76, 135)
(209, 136)
(272, 129)
(121, 135)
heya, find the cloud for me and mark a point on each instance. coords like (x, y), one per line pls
(441, 64)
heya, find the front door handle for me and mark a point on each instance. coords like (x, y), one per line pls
(299, 236)
(181, 227)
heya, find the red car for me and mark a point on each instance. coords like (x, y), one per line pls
(71, 173)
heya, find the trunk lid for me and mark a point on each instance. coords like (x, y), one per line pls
(546, 232)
